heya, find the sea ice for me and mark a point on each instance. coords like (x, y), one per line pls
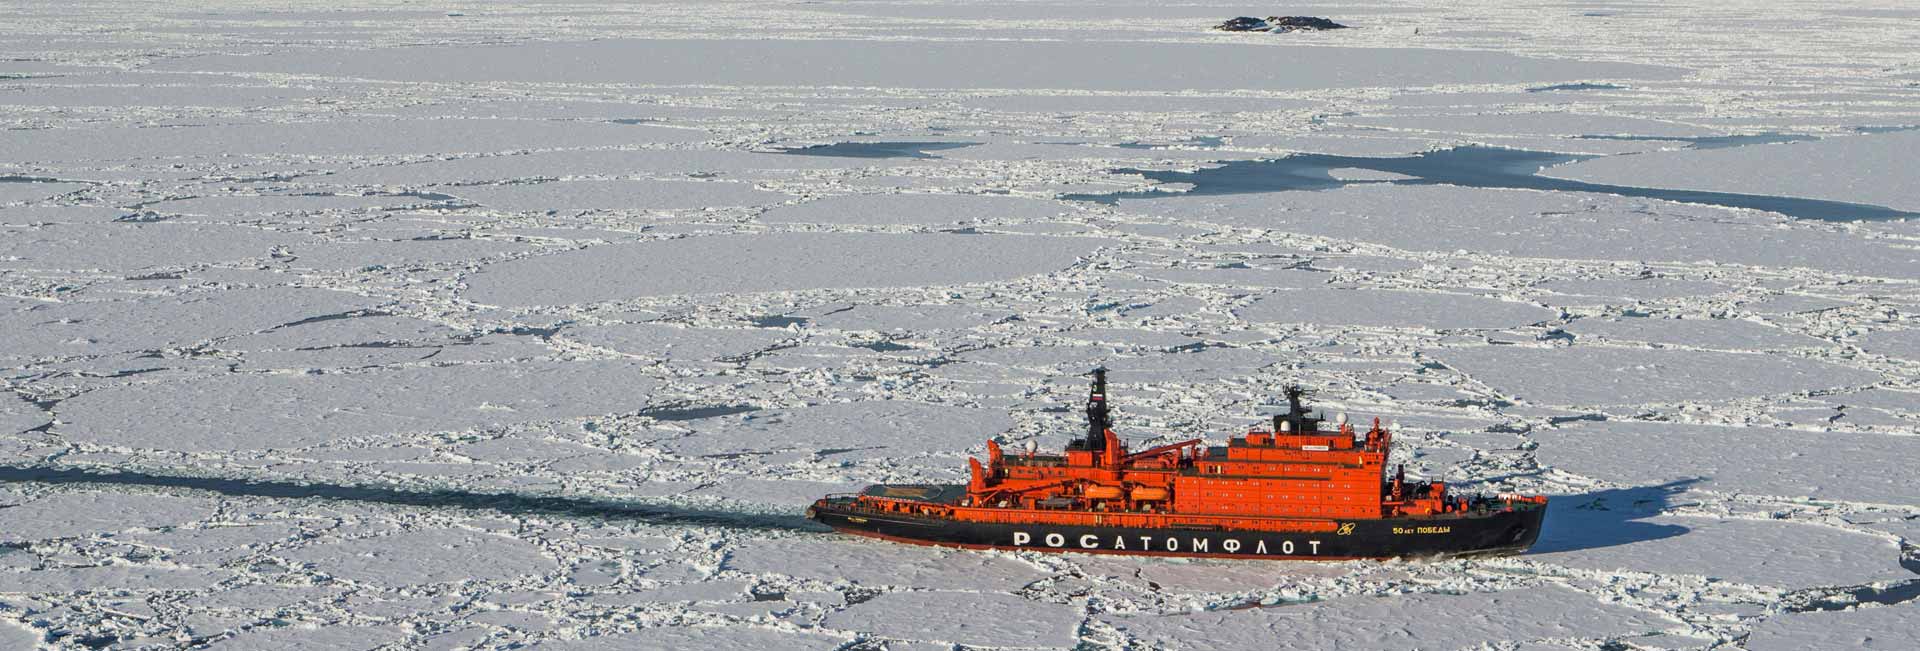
(278, 411)
(148, 94)
(1526, 224)
(15, 636)
(908, 209)
(117, 577)
(876, 564)
(545, 165)
(1859, 169)
(17, 415)
(1084, 65)
(536, 325)
(68, 515)
(675, 638)
(19, 192)
(1115, 103)
(1772, 554)
(1879, 629)
(334, 138)
(58, 214)
(1565, 124)
(357, 255)
(96, 327)
(1392, 309)
(908, 318)
(674, 342)
(1452, 622)
(860, 430)
(227, 208)
(991, 620)
(1584, 375)
(1244, 278)
(771, 263)
(1632, 289)
(425, 556)
(1723, 334)
(310, 638)
(1899, 344)
(1836, 466)
(566, 196)
(124, 247)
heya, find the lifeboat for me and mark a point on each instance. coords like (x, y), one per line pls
(1148, 494)
(1298, 489)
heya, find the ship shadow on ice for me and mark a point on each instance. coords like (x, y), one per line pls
(1608, 518)
(512, 503)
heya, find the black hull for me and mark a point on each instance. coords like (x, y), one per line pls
(1498, 532)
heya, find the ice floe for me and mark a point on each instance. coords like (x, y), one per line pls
(769, 263)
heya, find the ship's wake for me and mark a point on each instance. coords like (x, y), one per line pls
(551, 505)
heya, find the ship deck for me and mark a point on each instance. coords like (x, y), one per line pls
(948, 494)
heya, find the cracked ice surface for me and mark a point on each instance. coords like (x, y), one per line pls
(135, 323)
(1837, 466)
(294, 411)
(1867, 628)
(768, 263)
(993, 620)
(1380, 623)
(537, 325)
(426, 556)
(1392, 309)
(1586, 375)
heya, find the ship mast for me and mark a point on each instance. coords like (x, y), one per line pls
(1100, 436)
(1296, 420)
(1098, 421)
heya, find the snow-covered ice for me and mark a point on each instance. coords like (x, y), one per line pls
(287, 411)
(1866, 628)
(537, 325)
(1086, 64)
(1583, 375)
(1392, 309)
(568, 196)
(906, 209)
(1866, 168)
(425, 556)
(770, 263)
(973, 619)
(1829, 466)
(1452, 622)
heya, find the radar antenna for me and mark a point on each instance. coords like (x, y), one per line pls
(1296, 420)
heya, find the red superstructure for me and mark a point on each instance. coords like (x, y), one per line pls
(1293, 469)
(1293, 478)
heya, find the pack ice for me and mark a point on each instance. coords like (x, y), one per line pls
(537, 326)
